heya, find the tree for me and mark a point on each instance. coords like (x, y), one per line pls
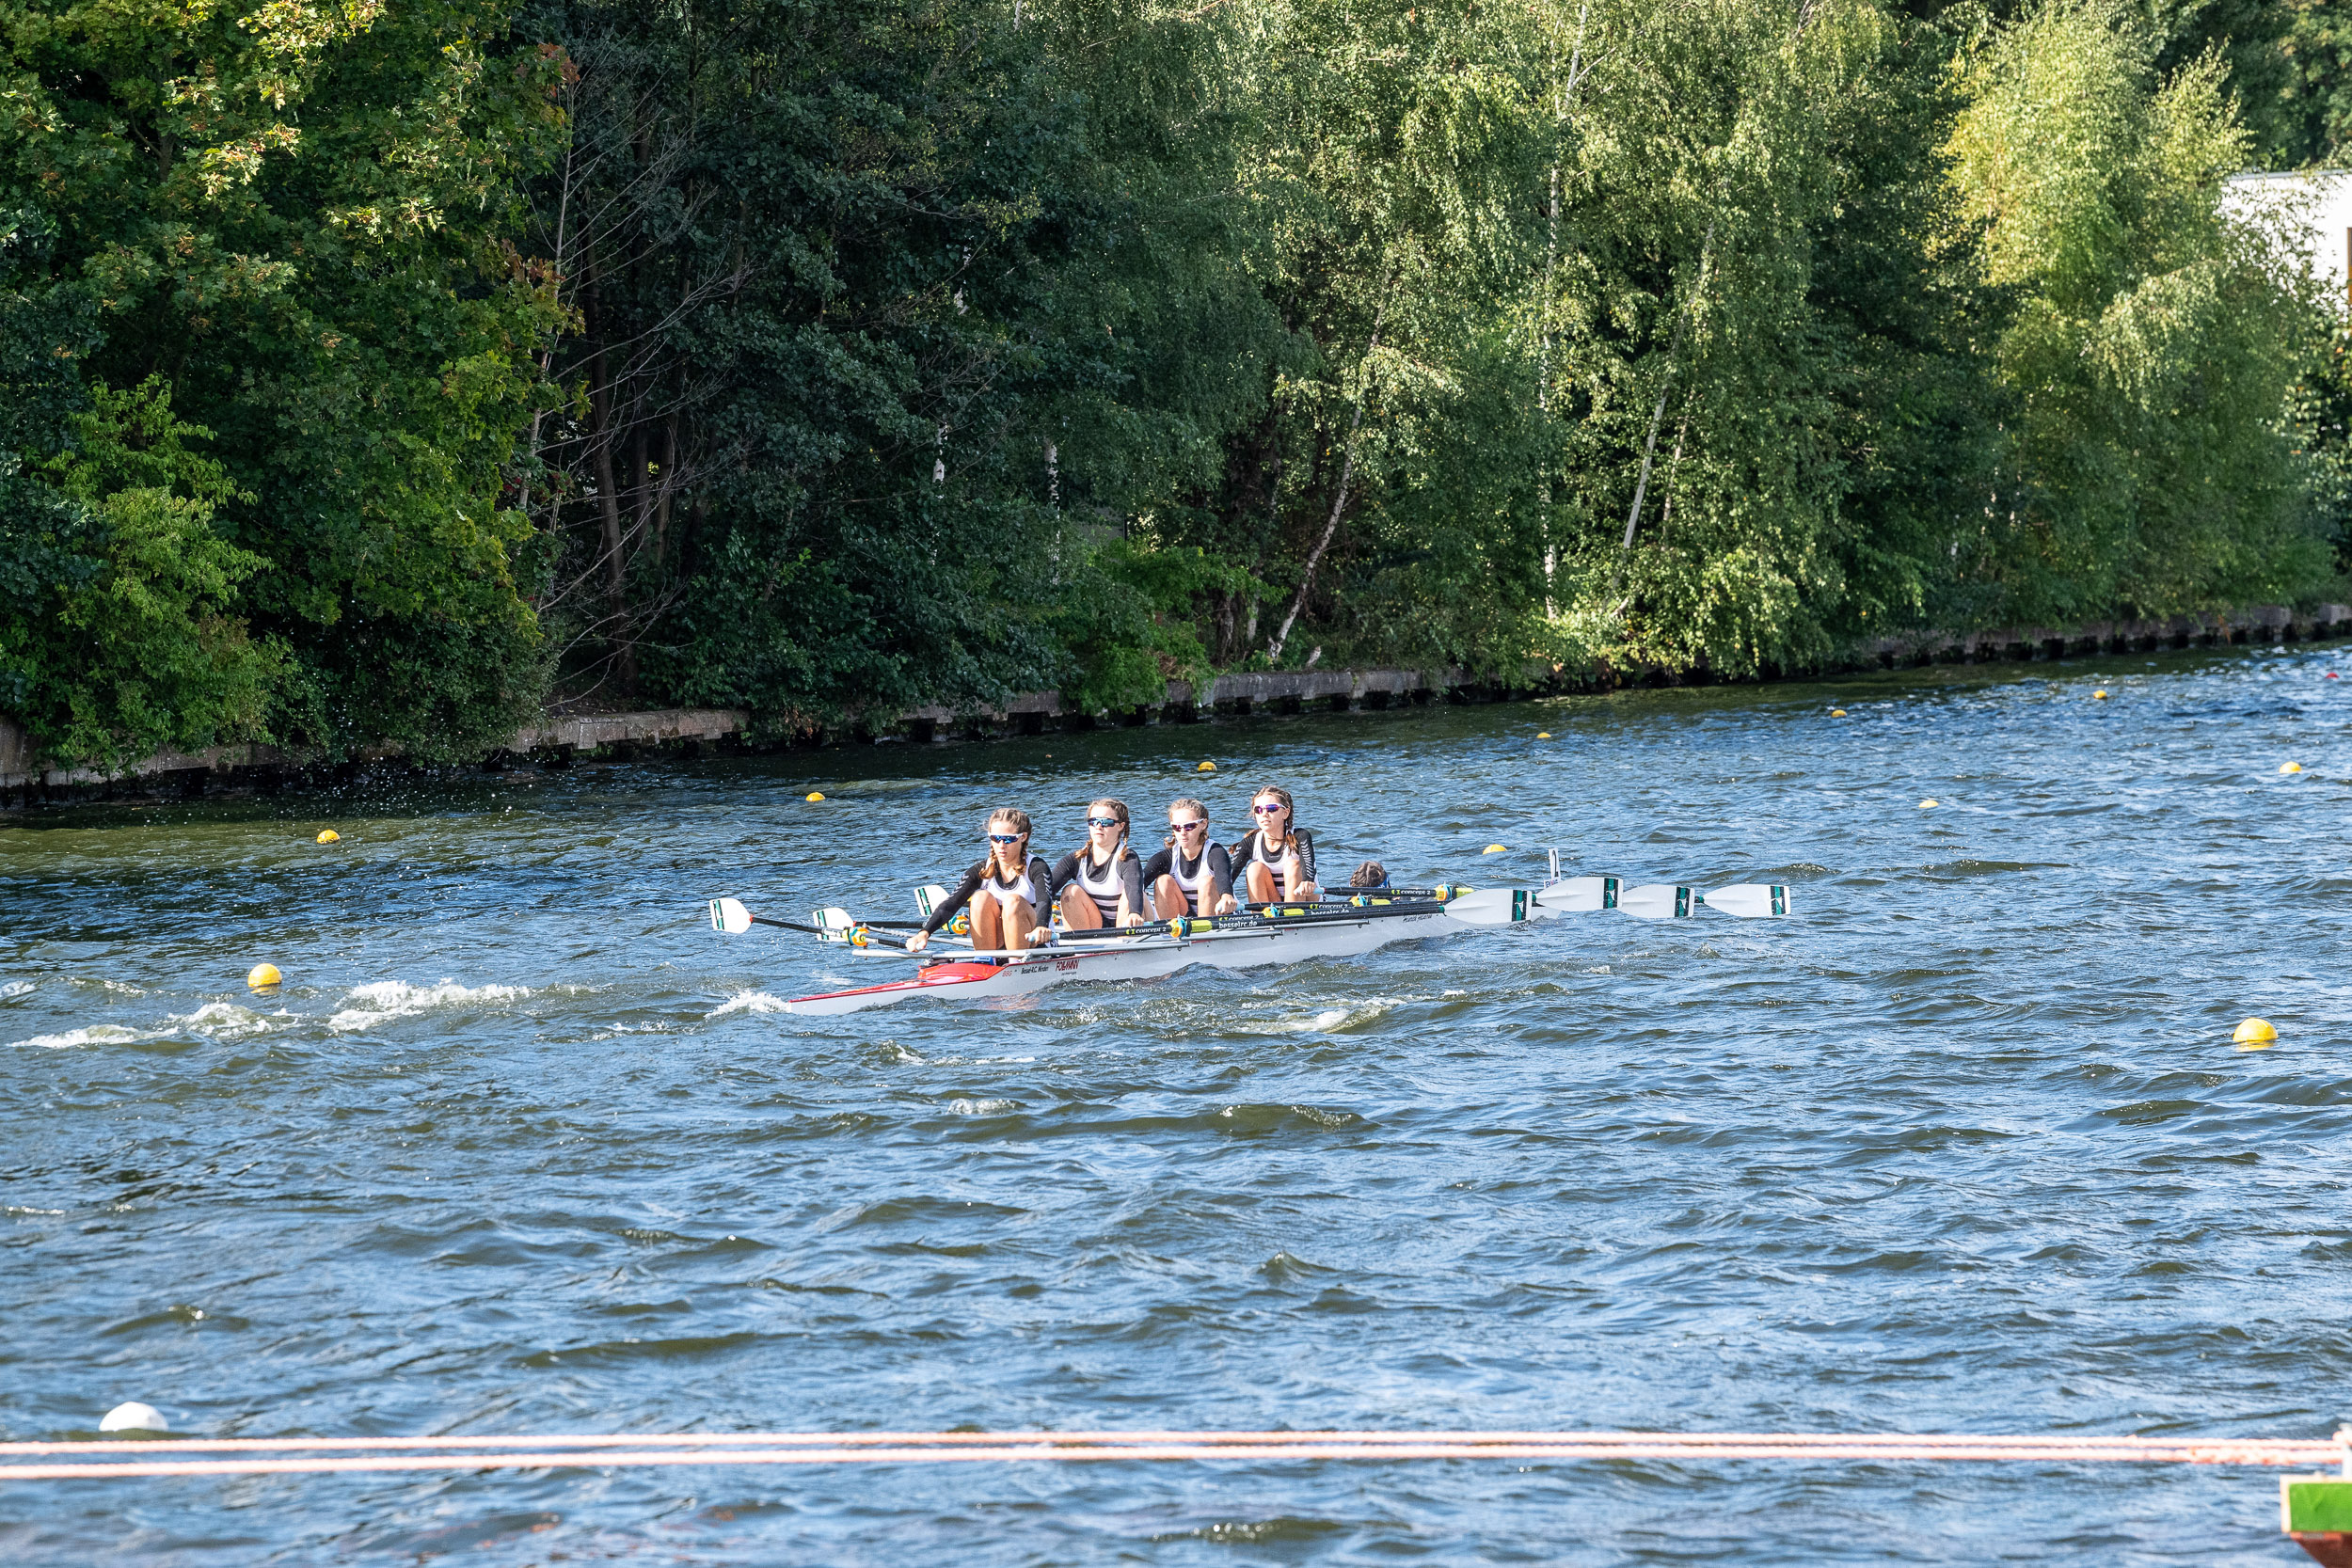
(892, 317)
(293, 218)
(2146, 347)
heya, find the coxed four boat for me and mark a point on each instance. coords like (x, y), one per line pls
(1332, 928)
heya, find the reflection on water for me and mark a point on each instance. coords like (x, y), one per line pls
(523, 1146)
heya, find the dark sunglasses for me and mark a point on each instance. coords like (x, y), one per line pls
(1102, 821)
(1189, 827)
(1006, 838)
(1268, 811)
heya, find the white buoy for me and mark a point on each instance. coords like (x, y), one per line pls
(134, 1416)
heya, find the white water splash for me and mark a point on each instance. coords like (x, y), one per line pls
(1328, 1019)
(15, 988)
(984, 1107)
(382, 1001)
(97, 1033)
(223, 1020)
(747, 1002)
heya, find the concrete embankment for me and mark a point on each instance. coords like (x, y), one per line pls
(559, 740)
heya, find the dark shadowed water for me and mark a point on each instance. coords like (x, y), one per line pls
(523, 1146)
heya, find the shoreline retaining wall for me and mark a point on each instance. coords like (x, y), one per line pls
(557, 741)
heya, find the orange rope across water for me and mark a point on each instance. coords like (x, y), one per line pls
(81, 1461)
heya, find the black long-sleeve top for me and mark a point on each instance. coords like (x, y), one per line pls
(1212, 874)
(1255, 848)
(1104, 884)
(1040, 881)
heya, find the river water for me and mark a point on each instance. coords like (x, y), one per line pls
(523, 1146)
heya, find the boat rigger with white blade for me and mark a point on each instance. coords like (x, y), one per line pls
(1268, 934)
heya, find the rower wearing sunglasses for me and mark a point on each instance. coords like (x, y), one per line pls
(1107, 878)
(1275, 862)
(1192, 874)
(1010, 892)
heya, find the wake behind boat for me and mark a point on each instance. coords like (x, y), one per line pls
(1253, 937)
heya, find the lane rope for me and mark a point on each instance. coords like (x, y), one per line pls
(72, 1461)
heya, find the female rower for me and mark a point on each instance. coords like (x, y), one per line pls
(1009, 891)
(1191, 876)
(1275, 862)
(1106, 877)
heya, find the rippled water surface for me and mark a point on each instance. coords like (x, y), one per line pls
(525, 1147)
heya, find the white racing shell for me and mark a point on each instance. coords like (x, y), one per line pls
(1328, 930)
(1153, 952)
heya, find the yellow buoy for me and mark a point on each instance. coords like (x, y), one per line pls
(1494, 849)
(2100, 695)
(262, 976)
(2255, 1032)
(1207, 768)
(328, 835)
(1925, 805)
(2290, 768)
(1838, 713)
(1543, 735)
(814, 794)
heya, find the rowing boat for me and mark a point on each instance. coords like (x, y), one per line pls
(1259, 936)
(1152, 951)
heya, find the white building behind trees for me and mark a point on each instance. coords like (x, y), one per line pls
(2314, 210)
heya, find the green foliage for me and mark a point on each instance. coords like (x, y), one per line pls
(2147, 348)
(2315, 104)
(885, 308)
(830, 357)
(1126, 622)
(2320, 416)
(50, 545)
(297, 216)
(140, 652)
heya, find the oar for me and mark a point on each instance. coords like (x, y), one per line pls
(1751, 899)
(1499, 906)
(1665, 901)
(730, 915)
(1581, 895)
(1440, 892)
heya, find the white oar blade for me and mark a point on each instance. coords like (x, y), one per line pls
(1657, 902)
(1494, 906)
(730, 915)
(1750, 900)
(833, 925)
(1580, 895)
(931, 896)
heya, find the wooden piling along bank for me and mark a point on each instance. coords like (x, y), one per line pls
(678, 732)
